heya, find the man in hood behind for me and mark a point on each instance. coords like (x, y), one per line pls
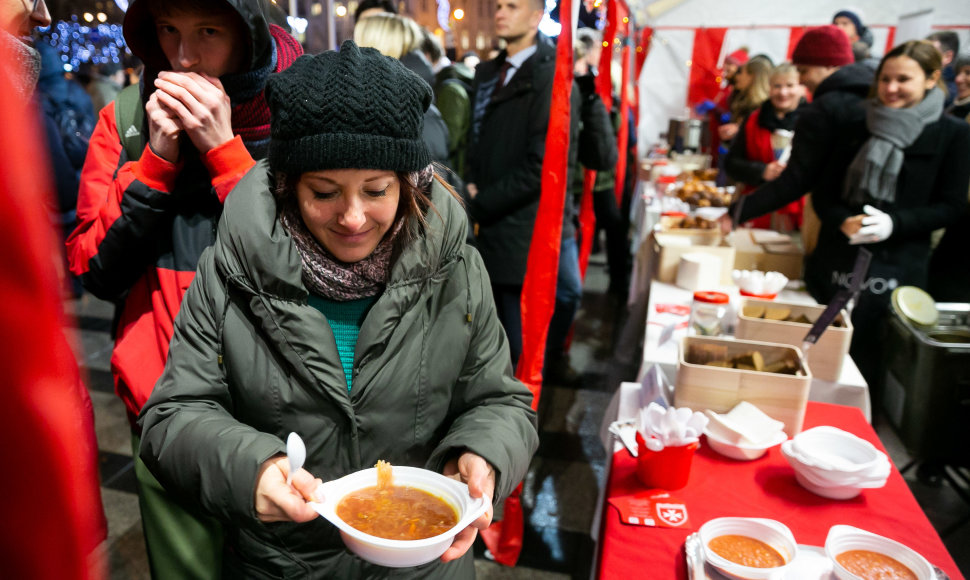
(160, 165)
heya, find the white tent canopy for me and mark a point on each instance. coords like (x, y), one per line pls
(763, 27)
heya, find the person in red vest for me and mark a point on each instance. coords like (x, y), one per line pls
(760, 150)
(53, 517)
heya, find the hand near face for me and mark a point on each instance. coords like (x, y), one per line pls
(198, 104)
(275, 501)
(163, 129)
(480, 477)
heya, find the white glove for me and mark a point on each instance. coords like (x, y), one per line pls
(876, 227)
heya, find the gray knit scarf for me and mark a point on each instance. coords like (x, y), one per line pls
(873, 173)
(325, 275)
(24, 69)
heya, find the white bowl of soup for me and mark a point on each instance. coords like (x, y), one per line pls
(408, 524)
(748, 548)
(860, 555)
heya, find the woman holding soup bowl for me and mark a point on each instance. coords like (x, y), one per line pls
(340, 301)
(905, 174)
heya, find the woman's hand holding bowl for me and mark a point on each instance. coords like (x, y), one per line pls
(473, 470)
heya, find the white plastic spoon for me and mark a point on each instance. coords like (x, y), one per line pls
(295, 453)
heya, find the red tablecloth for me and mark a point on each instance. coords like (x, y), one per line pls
(765, 487)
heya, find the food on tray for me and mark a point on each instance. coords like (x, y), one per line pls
(700, 194)
(746, 551)
(870, 565)
(680, 221)
(715, 356)
(396, 512)
(705, 174)
(779, 313)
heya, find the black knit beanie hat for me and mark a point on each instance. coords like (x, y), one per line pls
(352, 109)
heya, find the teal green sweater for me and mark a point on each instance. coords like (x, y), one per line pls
(345, 319)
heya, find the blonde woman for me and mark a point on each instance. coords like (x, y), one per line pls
(400, 37)
(751, 86)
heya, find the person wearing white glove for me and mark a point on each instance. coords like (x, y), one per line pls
(868, 228)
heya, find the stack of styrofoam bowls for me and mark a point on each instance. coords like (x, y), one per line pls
(834, 463)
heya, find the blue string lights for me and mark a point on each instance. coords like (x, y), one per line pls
(80, 42)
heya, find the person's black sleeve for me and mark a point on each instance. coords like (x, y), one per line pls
(813, 143)
(737, 164)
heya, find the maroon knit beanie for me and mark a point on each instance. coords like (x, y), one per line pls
(823, 46)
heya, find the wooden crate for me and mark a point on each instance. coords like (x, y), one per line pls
(781, 397)
(825, 357)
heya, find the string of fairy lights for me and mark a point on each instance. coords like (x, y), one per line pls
(80, 42)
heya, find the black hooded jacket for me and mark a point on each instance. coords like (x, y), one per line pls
(819, 147)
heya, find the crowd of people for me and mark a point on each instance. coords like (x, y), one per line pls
(337, 245)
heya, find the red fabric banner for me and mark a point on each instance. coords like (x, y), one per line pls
(794, 35)
(504, 539)
(890, 39)
(623, 132)
(703, 84)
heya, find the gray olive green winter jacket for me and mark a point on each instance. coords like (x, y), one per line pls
(251, 361)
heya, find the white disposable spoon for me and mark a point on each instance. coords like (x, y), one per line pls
(295, 453)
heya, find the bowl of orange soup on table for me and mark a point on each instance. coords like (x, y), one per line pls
(398, 516)
(860, 555)
(748, 548)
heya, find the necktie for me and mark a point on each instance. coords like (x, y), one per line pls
(502, 72)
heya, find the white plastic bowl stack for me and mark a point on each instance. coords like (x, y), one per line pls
(774, 533)
(836, 464)
(744, 432)
(843, 538)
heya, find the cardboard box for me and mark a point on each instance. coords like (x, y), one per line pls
(767, 251)
(780, 396)
(668, 247)
(825, 357)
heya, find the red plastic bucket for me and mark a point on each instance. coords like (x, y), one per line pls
(668, 468)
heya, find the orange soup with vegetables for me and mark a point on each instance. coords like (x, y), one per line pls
(870, 565)
(397, 512)
(746, 551)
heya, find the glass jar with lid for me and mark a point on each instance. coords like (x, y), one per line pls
(707, 313)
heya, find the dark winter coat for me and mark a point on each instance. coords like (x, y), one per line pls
(817, 149)
(251, 361)
(504, 161)
(931, 193)
(738, 164)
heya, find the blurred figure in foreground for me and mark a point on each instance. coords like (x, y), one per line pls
(53, 520)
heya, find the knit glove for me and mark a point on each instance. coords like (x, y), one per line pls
(876, 227)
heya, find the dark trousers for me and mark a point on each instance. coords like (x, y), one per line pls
(569, 294)
(508, 303)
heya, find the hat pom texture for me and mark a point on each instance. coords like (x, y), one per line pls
(352, 109)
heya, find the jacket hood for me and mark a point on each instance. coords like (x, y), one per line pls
(139, 32)
(854, 78)
(256, 252)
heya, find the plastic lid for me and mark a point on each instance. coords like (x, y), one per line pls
(916, 305)
(666, 178)
(712, 297)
